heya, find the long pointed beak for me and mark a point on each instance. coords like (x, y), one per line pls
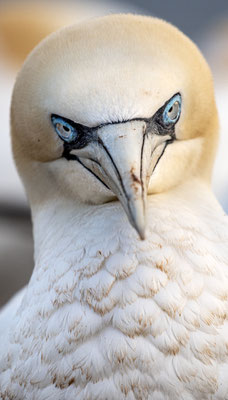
(125, 178)
(123, 157)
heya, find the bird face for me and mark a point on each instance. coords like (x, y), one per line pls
(101, 150)
(122, 108)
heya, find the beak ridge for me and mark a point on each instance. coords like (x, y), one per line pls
(127, 140)
(123, 156)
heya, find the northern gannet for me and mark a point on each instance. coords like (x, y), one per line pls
(114, 121)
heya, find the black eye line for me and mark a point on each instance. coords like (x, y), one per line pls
(86, 129)
(69, 157)
(163, 151)
(78, 127)
(158, 116)
(167, 102)
(87, 134)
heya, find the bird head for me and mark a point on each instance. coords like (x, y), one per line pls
(120, 107)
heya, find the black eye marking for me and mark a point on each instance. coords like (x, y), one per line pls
(168, 115)
(74, 135)
(66, 131)
(77, 136)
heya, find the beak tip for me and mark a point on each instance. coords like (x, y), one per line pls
(137, 218)
(141, 230)
(141, 234)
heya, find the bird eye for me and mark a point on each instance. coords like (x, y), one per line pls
(64, 129)
(172, 111)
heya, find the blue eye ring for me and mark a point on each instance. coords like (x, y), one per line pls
(64, 129)
(172, 111)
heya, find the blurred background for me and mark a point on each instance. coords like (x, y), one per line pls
(22, 25)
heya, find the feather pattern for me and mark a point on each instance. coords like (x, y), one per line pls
(107, 316)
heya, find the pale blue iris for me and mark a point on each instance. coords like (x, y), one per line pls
(64, 130)
(172, 110)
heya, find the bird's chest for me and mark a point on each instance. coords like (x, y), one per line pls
(132, 324)
(127, 319)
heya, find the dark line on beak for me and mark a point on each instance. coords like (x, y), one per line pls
(116, 169)
(93, 173)
(100, 142)
(141, 170)
(166, 144)
(69, 157)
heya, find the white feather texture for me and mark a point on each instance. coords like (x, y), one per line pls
(106, 315)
